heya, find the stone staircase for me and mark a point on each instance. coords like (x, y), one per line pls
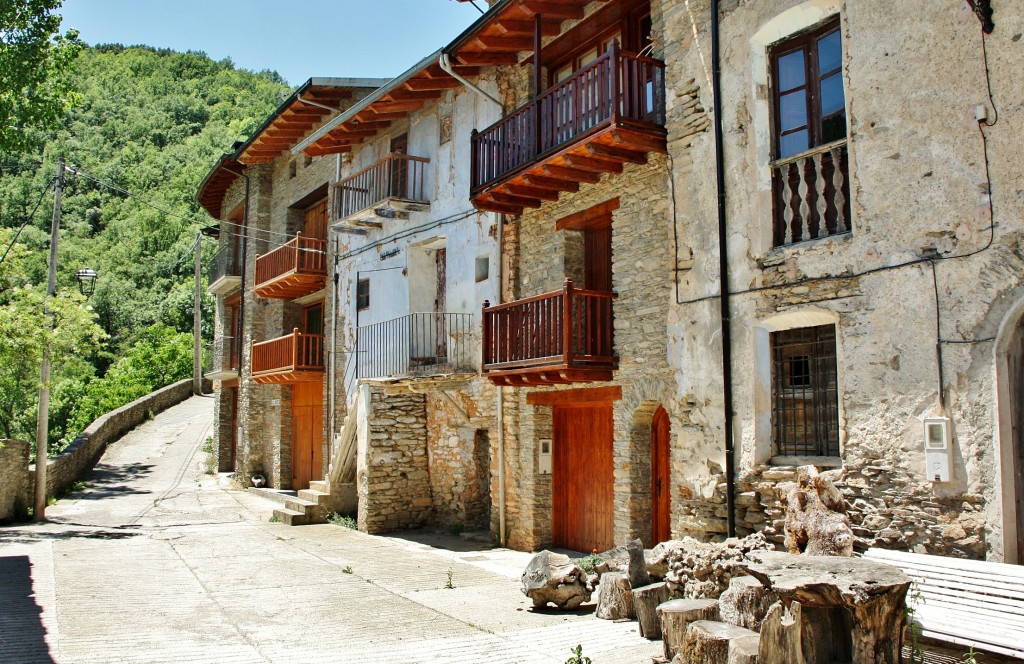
(299, 508)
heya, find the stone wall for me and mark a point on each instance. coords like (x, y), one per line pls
(393, 478)
(15, 484)
(919, 192)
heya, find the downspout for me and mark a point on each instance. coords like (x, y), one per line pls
(316, 103)
(446, 64)
(501, 401)
(333, 368)
(723, 271)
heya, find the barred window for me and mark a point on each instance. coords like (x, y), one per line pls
(805, 399)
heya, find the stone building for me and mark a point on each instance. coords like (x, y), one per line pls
(671, 322)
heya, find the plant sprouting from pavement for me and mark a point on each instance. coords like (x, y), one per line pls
(578, 657)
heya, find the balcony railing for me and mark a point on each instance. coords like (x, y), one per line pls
(297, 354)
(811, 193)
(569, 329)
(396, 177)
(298, 267)
(224, 272)
(617, 89)
(224, 359)
(418, 344)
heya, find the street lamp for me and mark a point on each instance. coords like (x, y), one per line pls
(86, 280)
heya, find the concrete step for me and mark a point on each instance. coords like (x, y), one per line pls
(319, 485)
(276, 495)
(291, 517)
(315, 497)
(299, 505)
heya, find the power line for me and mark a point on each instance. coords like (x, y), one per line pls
(27, 219)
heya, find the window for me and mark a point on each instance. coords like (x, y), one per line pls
(810, 170)
(805, 399)
(362, 294)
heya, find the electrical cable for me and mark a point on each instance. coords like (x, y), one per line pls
(27, 219)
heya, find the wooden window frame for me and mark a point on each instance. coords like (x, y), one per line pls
(362, 294)
(799, 430)
(629, 35)
(812, 79)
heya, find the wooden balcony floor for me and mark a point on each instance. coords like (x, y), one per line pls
(288, 377)
(550, 375)
(583, 161)
(291, 285)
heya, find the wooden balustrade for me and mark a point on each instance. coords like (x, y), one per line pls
(811, 193)
(570, 328)
(298, 352)
(300, 256)
(620, 89)
(396, 176)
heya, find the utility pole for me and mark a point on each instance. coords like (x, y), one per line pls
(43, 419)
(197, 348)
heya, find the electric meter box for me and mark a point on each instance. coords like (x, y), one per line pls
(544, 458)
(937, 448)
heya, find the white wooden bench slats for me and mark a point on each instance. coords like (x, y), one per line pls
(964, 602)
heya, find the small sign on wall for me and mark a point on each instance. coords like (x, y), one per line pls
(390, 253)
(544, 458)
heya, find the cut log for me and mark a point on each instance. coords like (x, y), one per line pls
(676, 614)
(614, 597)
(744, 650)
(645, 605)
(709, 642)
(851, 605)
(745, 603)
(638, 575)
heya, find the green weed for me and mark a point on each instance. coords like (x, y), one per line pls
(343, 520)
(578, 657)
(448, 584)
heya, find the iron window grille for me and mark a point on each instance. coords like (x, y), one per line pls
(805, 398)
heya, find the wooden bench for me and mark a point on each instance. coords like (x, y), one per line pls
(964, 602)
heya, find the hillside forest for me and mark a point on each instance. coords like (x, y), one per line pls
(142, 132)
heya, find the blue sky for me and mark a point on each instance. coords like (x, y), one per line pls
(297, 38)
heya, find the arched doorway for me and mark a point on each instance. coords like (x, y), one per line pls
(1015, 403)
(661, 504)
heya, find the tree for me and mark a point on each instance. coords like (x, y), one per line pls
(35, 60)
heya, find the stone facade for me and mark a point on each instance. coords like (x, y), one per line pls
(14, 479)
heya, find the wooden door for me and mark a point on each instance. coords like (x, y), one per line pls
(400, 167)
(316, 221)
(597, 259)
(1015, 364)
(307, 438)
(661, 435)
(582, 478)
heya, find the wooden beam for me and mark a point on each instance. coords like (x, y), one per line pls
(403, 105)
(578, 396)
(514, 26)
(550, 183)
(371, 115)
(479, 58)
(571, 174)
(506, 42)
(597, 216)
(617, 153)
(593, 163)
(553, 9)
(512, 199)
(422, 95)
(482, 203)
(432, 83)
(530, 192)
(644, 142)
(352, 125)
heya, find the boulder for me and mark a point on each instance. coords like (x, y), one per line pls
(704, 569)
(746, 602)
(553, 578)
(614, 597)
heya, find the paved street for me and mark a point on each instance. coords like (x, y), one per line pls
(157, 562)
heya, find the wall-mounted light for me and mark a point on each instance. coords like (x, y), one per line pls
(86, 280)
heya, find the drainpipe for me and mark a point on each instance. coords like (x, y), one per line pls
(723, 270)
(501, 403)
(446, 64)
(316, 103)
(333, 368)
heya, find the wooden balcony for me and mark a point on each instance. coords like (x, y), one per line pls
(295, 358)
(565, 336)
(298, 268)
(395, 184)
(608, 113)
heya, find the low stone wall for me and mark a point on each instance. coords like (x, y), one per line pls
(15, 487)
(82, 454)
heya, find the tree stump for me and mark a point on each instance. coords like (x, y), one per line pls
(709, 642)
(676, 614)
(553, 577)
(645, 605)
(744, 650)
(745, 603)
(844, 603)
(781, 635)
(614, 597)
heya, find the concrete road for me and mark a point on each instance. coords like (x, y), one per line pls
(156, 561)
